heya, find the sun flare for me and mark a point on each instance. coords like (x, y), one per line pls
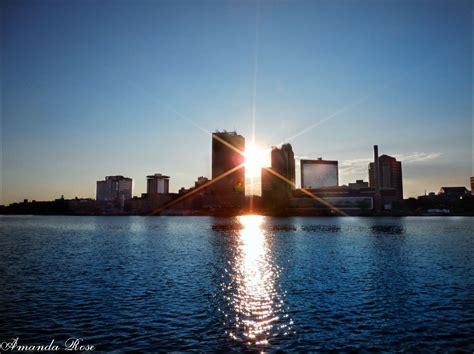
(255, 159)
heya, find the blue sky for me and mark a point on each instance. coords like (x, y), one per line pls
(96, 88)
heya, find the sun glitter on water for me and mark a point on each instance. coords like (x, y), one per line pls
(257, 313)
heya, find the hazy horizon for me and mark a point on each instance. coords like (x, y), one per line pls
(91, 89)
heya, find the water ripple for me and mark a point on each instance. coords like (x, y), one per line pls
(239, 284)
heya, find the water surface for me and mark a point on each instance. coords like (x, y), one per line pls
(246, 283)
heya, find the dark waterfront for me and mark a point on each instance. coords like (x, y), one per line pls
(202, 283)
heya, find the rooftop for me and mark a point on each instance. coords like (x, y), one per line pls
(157, 175)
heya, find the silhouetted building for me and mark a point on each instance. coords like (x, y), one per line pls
(183, 190)
(454, 192)
(358, 184)
(388, 172)
(266, 182)
(83, 206)
(197, 200)
(278, 180)
(114, 189)
(472, 185)
(157, 195)
(148, 204)
(200, 181)
(319, 173)
(157, 184)
(283, 162)
(228, 169)
(448, 201)
(332, 201)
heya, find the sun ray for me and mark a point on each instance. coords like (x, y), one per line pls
(229, 145)
(307, 192)
(195, 190)
(187, 119)
(384, 86)
(340, 111)
(255, 70)
(255, 159)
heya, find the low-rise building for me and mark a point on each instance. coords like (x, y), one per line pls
(358, 184)
(453, 192)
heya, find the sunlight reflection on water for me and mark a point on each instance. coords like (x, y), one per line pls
(179, 284)
(257, 306)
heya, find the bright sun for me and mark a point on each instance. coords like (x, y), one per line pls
(255, 159)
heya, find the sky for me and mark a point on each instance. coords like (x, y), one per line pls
(96, 88)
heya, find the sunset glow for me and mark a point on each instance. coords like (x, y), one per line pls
(255, 159)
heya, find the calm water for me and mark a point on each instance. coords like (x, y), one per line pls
(172, 283)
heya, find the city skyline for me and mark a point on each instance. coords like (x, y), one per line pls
(80, 104)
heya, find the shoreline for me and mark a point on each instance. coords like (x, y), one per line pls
(256, 213)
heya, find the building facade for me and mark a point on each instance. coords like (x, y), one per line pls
(278, 181)
(228, 170)
(283, 162)
(389, 175)
(114, 188)
(332, 200)
(157, 184)
(319, 173)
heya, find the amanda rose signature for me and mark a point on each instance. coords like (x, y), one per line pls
(71, 344)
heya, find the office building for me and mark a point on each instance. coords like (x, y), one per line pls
(228, 168)
(319, 173)
(114, 188)
(157, 184)
(278, 181)
(283, 162)
(386, 172)
(266, 178)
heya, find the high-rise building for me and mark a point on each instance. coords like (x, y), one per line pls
(283, 162)
(266, 178)
(157, 184)
(114, 188)
(319, 173)
(386, 172)
(279, 180)
(228, 167)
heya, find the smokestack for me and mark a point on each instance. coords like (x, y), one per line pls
(376, 170)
